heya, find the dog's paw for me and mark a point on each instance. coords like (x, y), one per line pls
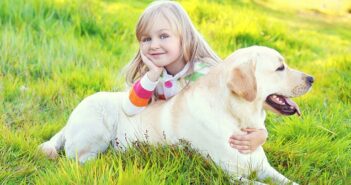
(48, 150)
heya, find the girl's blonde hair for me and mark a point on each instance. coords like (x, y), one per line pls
(193, 45)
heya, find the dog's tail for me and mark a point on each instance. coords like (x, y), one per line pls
(51, 147)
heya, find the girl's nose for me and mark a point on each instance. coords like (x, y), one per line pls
(154, 44)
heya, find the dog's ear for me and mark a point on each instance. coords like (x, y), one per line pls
(242, 81)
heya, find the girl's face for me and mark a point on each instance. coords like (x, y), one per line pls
(162, 46)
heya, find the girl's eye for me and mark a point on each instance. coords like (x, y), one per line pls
(147, 39)
(164, 36)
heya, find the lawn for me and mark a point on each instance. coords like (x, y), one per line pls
(53, 53)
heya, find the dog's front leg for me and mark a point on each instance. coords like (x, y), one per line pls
(240, 166)
(269, 172)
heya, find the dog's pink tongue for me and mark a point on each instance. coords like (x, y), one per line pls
(292, 103)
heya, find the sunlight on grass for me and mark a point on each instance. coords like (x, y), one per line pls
(330, 7)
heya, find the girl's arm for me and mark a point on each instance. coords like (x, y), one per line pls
(139, 95)
(248, 142)
(142, 91)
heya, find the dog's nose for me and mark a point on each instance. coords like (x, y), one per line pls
(310, 80)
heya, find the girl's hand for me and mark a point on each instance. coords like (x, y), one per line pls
(248, 142)
(154, 72)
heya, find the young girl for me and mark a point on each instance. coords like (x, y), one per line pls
(172, 54)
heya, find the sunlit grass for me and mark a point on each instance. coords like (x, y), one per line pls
(55, 53)
(330, 8)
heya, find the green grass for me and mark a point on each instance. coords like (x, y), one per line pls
(55, 53)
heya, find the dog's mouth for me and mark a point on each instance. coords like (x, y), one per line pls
(282, 104)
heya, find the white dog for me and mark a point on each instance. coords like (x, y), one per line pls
(230, 97)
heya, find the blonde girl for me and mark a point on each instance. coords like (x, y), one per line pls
(171, 55)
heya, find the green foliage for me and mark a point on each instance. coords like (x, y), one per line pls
(55, 53)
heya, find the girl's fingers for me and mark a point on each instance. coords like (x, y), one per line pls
(144, 58)
(149, 63)
(142, 55)
(239, 137)
(245, 151)
(240, 147)
(237, 142)
(249, 129)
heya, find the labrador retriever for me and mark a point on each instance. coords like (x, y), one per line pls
(233, 95)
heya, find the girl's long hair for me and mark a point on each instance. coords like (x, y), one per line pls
(193, 45)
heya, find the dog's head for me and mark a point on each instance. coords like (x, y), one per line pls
(260, 74)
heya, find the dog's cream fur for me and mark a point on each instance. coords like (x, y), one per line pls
(230, 97)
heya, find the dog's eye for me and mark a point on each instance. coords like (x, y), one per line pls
(281, 68)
